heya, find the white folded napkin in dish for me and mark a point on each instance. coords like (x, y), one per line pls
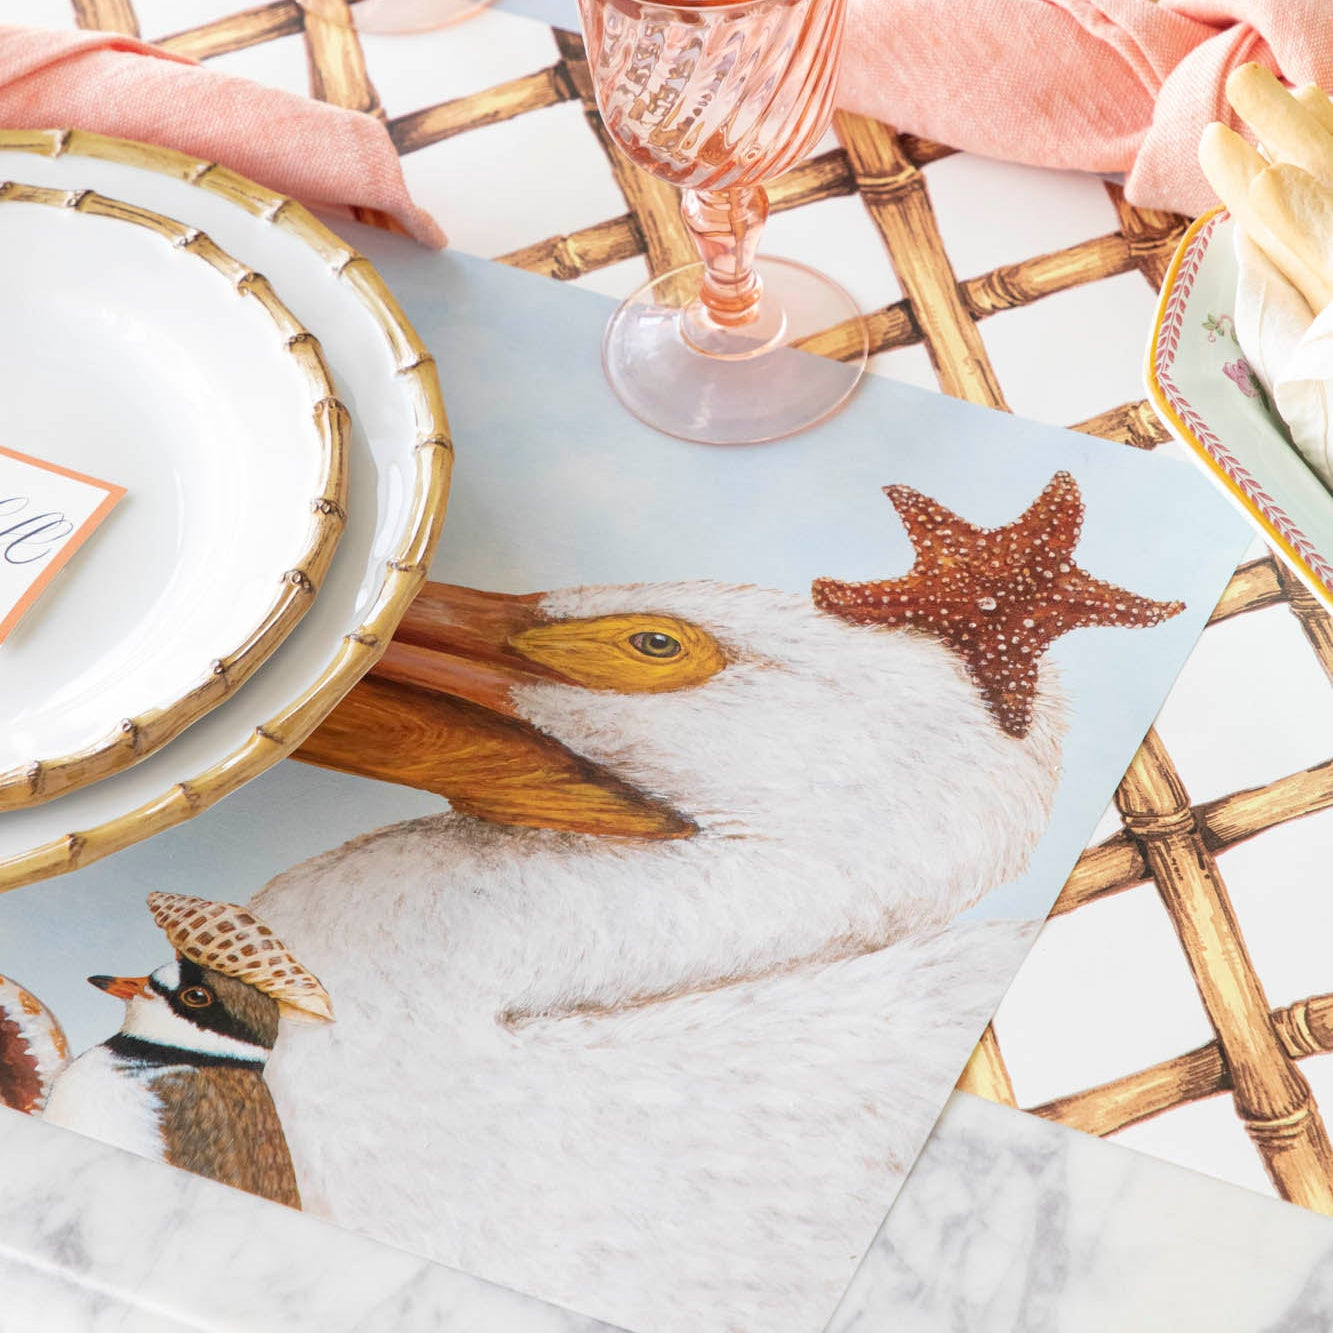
(1290, 350)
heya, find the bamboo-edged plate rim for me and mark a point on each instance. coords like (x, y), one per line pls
(295, 586)
(1247, 491)
(404, 571)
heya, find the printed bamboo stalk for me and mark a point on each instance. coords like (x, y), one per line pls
(236, 32)
(833, 168)
(1304, 1029)
(580, 252)
(985, 1073)
(1006, 288)
(894, 193)
(584, 251)
(1117, 864)
(920, 152)
(107, 16)
(1271, 1095)
(1239, 816)
(1131, 423)
(1029, 280)
(1314, 620)
(828, 176)
(1109, 868)
(1253, 586)
(334, 58)
(1152, 235)
(654, 204)
(893, 326)
(1126, 1101)
(434, 124)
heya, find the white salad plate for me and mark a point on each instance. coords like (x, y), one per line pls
(1205, 391)
(399, 459)
(133, 348)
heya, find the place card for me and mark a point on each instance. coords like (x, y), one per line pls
(46, 513)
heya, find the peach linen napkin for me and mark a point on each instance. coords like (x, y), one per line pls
(1100, 85)
(320, 154)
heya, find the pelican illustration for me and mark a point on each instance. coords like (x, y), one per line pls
(652, 1022)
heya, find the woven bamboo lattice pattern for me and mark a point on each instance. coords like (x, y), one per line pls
(1164, 840)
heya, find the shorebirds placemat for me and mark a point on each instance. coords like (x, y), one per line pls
(664, 876)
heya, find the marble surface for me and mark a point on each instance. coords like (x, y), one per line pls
(96, 1240)
(1006, 1222)
(1009, 1222)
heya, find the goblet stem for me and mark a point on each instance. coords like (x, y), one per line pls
(725, 226)
(719, 95)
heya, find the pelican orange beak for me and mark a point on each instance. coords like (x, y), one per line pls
(123, 988)
(437, 713)
(457, 641)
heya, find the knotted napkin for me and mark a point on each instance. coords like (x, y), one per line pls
(1115, 86)
(320, 154)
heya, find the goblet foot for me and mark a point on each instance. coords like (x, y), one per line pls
(676, 370)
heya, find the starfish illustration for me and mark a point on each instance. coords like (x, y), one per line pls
(998, 597)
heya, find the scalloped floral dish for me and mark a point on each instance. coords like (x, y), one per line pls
(1203, 388)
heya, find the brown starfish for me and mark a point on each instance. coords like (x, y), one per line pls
(999, 597)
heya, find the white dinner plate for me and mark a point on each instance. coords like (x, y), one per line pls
(399, 464)
(135, 349)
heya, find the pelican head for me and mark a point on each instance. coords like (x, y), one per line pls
(711, 711)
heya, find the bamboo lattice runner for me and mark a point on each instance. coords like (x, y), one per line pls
(1166, 844)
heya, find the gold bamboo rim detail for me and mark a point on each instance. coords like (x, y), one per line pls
(404, 570)
(135, 738)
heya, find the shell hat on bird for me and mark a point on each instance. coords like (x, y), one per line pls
(231, 940)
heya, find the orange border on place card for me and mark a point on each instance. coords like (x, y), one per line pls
(114, 495)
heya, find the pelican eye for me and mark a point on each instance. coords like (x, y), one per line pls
(653, 643)
(646, 652)
(197, 997)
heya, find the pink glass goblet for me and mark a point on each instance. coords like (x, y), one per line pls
(717, 97)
